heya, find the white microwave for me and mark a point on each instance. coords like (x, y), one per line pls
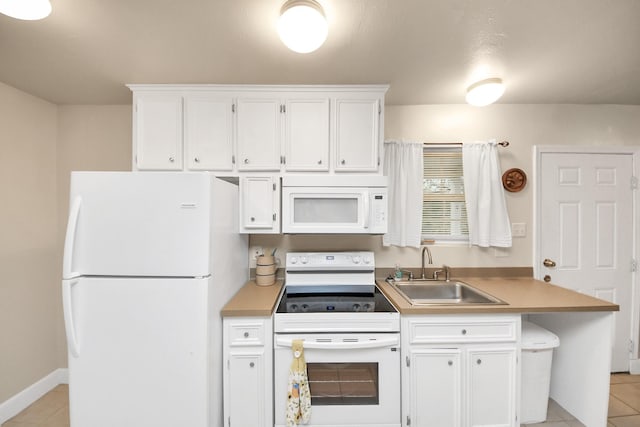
(333, 204)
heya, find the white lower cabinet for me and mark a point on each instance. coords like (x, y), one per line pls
(460, 370)
(248, 375)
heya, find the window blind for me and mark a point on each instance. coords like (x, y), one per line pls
(444, 215)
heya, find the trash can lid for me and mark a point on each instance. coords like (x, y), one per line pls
(535, 337)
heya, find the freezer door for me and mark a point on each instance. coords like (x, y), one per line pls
(140, 352)
(138, 224)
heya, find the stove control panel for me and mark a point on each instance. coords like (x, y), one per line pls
(330, 260)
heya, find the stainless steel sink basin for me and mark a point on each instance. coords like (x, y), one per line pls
(430, 292)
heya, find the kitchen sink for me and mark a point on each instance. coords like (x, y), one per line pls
(439, 292)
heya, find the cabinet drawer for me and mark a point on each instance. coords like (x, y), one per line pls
(463, 330)
(246, 334)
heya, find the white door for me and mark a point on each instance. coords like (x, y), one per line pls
(158, 132)
(259, 204)
(586, 232)
(138, 224)
(357, 135)
(208, 132)
(258, 134)
(307, 135)
(434, 377)
(491, 387)
(138, 351)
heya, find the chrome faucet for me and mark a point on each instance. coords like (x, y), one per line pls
(425, 249)
(447, 273)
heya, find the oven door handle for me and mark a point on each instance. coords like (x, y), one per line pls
(342, 345)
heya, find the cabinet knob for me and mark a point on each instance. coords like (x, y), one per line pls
(464, 332)
(246, 334)
(197, 160)
(450, 362)
(319, 162)
(252, 364)
(343, 162)
(479, 361)
(171, 159)
(253, 218)
(246, 161)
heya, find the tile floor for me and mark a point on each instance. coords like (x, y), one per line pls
(52, 410)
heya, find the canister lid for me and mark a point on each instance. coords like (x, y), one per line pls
(535, 337)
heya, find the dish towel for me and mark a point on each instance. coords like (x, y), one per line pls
(299, 395)
(487, 214)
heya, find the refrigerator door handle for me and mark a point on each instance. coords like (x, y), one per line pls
(69, 240)
(69, 325)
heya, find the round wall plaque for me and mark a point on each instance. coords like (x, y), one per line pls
(514, 180)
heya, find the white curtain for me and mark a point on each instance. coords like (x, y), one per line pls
(487, 214)
(403, 168)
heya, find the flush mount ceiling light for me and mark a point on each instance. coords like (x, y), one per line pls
(485, 92)
(29, 10)
(302, 26)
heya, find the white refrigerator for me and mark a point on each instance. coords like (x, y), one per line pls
(150, 258)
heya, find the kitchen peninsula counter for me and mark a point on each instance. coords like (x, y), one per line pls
(521, 295)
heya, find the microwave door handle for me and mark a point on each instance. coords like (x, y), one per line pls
(342, 345)
(366, 209)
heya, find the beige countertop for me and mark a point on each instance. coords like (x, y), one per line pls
(522, 295)
(253, 300)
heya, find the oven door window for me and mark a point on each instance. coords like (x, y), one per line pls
(343, 383)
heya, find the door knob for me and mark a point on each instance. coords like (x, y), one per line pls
(549, 263)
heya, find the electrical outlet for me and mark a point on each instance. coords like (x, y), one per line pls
(257, 251)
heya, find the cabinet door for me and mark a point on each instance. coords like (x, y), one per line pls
(245, 393)
(259, 207)
(209, 133)
(357, 135)
(434, 376)
(491, 387)
(307, 135)
(158, 131)
(258, 130)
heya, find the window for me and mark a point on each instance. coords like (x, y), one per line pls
(444, 215)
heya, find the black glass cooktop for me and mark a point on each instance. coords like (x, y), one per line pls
(342, 302)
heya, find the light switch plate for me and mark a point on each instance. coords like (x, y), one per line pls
(518, 229)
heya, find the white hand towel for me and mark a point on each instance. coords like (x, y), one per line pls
(298, 393)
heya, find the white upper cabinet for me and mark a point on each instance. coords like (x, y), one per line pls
(259, 204)
(157, 131)
(233, 130)
(307, 134)
(357, 135)
(258, 127)
(208, 132)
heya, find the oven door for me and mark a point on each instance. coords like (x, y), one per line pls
(354, 379)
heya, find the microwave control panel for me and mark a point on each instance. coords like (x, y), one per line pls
(378, 212)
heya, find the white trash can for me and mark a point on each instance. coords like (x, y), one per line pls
(537, 351)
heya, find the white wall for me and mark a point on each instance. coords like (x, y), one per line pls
(90, 137)
(523, 126)
(29, 254)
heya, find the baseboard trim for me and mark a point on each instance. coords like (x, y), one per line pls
(634, 366)
(19, 402)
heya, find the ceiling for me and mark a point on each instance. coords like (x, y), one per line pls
(429, 51)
